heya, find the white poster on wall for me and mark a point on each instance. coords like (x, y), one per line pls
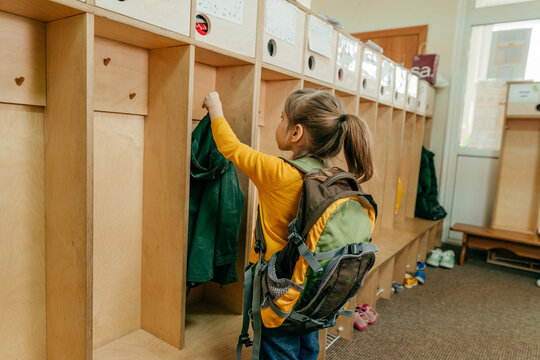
(280, 20)
(508, 54)
(230, 10)
(320, 36)
(347, 52)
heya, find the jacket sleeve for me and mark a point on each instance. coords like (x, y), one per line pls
(266, 171)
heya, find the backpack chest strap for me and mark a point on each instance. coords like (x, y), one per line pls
(307, 254)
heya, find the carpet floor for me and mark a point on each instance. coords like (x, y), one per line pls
(476, 311)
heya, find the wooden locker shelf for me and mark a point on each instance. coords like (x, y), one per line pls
(115, 159)
(318, 85)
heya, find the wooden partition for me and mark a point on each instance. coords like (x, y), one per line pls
(382, 143)
(406, 167)
(392, 168)
(518, 189)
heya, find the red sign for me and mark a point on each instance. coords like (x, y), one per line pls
(425, 66)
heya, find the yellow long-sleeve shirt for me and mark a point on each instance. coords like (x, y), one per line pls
(279, 185)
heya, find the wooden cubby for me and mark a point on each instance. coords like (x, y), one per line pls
(96, 146)
(234, 80)
(22, 188)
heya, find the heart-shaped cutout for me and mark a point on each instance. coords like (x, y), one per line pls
(19, 80)
(132, 95)
(106, 61)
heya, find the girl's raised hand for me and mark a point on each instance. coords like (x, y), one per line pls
(212, 103)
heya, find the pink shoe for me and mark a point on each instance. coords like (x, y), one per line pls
(370, 312)
(361, 320)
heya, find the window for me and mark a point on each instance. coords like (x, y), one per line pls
(497, 53)
(487, 3)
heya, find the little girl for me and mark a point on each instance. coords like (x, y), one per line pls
(312, 125)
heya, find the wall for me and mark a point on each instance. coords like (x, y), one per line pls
(439, 15)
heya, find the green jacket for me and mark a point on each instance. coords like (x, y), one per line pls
(427, 206)
(216, 203)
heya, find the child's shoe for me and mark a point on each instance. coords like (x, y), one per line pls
(538, 281)
(410, 281)
(420, 276)
(370, 312)
(447, 259)
(434, 258)
(397, 288)
(420, 266)
(361, 320)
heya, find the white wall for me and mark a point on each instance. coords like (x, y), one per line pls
(439, 15)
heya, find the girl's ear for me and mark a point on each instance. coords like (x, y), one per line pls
(297, 133)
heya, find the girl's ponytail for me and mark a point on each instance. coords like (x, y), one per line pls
(329, 130)
(357, 147)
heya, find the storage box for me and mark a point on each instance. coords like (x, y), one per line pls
(319, 62)
(369, 74)
(400, 91)
(412, 92)
(283, 39)
(348, 63)
(171, 15)
(387, 81)
(422, 97)
(229, 25)
(524, 99)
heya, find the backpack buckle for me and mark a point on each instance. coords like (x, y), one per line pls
(244, 339)
(295, 238)
(355, 248)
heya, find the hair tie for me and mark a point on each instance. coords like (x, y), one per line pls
(342, 117)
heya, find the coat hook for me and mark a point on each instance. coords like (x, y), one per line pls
(19, 80)
(132, 95)
(106, 61)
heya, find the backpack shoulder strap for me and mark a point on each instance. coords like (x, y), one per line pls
(305, 164)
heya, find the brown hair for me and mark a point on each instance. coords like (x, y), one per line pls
(329, 130)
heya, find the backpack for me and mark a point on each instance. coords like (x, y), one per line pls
(305, 286)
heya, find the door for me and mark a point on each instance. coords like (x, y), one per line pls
(400, 44)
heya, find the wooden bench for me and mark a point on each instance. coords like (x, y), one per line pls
(526, 245)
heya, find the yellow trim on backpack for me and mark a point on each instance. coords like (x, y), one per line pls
(287, 301)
